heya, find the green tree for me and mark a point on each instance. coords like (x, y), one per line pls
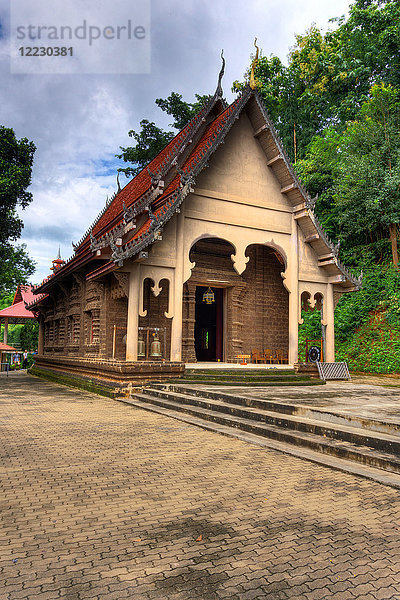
(29, 335)
(6, 300)
(371, 40)
(149, 142)
(329, 75)
(181, 111)
(16, 159)
(151, 139)
(319, 171)
(368, 182)
(15, 266)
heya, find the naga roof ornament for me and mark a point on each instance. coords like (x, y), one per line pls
(219, 91)
(252, 82)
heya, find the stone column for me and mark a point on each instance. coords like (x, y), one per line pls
(5, 330)
(293, 288)
(176, 327)
(189, 321)
(133, 314)
(235, 321)
(41, 336)
(329, 318)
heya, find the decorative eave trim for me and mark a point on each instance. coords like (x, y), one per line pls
(309, 203)
(103, 270)
(93, 225)
(157, 184)
(187, 181)
(73, 262)
(31, 306)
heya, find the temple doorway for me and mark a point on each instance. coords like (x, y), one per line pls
(208, 330)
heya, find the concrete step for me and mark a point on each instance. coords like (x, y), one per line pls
(243, 372)
(248, 382)
(373, 449)
(380, 441)
(347, 466)
(256, 377)
(287, 408)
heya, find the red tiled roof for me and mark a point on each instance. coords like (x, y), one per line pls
(141, 183)
(5, 348)
(138, 185)
(17, 311)
(23, 293)
(36, 300)
(189, 163)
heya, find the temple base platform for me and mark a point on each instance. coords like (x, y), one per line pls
(107, 377)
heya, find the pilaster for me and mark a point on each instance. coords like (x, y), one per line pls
(176, 327)
(189, 320)
(235, 321)
(292, 285)
(329, 318)
(41, 336)
(5, 338)
(133, 314)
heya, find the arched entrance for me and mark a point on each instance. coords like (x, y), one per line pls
(206, 313)
(226, 314)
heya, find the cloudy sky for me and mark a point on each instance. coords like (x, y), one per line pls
(78, 121)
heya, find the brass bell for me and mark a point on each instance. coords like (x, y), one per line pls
(141, 348)
(155, 348)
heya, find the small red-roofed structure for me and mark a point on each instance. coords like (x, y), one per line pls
(4, 351)
(17, 313)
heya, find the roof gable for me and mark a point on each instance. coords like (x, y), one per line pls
(157, 192)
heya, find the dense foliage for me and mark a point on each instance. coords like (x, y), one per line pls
(367, 323)
(16, 159)
(29, 335)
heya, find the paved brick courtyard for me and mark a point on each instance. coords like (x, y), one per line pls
(100, 500)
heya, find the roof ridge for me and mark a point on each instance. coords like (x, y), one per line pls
(186, 179)
(180, 144)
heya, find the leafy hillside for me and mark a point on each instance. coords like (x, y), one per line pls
(375, 346)
(367, 323)
(336, 105)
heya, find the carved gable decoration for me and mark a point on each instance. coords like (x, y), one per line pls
(74, 307)
(120, 287)
(94, 295)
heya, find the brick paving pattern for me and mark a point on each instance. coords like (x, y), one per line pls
(102, 501)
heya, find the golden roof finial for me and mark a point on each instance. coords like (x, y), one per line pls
(252, 81)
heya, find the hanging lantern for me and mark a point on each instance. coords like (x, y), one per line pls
(141, 352)
(208, 296)
(155, 348)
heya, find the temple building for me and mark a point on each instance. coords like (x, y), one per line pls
(206, 255)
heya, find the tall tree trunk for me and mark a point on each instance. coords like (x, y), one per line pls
(393, 239)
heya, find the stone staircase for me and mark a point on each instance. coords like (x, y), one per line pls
(247, 377)
(363, 446)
